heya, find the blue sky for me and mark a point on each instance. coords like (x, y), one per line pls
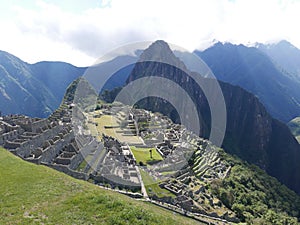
(79, 31)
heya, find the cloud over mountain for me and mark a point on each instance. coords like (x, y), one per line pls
(81, 33)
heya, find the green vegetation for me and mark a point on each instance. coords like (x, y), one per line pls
(110, 95)
(254, 196)
(143, 155)
(34, 194)
(83, 164)
(294, 126)
(153, 187)
(84, 100)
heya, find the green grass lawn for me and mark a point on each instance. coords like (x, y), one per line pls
(35, 194)
(143, 155)
(152, 186)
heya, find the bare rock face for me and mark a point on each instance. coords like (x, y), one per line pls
(251, 133)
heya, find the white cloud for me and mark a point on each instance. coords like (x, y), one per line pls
(47, 32)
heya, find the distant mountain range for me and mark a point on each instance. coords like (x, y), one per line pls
(285, 55)
(252, 69)
(261, 70)
(37, 89)
(270, 72)
(33, 89)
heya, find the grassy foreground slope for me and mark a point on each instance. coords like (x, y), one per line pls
(32, 194)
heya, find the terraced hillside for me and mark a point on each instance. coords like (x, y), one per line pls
(32, 194)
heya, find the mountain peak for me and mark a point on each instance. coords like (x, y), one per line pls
(280, 44)
(161, 43)
(160, 51)
(284, 42)
(6, 57)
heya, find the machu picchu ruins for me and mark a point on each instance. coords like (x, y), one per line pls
(101, 146)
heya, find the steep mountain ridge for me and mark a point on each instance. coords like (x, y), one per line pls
(20, 91)
(56, 76)
(251, 132)
(33, 89)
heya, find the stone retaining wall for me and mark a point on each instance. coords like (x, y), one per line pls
(67, 170)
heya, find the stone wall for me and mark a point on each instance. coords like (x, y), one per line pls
(12, 145)
(67, 170)
(26, 148)
(38, 124)
(52, 151)
(9, 132)
(75, 161)
(116, 181)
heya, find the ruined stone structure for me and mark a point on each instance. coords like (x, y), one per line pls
(117, 166)
(52, 142)
(42, 141)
